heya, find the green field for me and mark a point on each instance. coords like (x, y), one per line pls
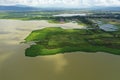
(50, 41)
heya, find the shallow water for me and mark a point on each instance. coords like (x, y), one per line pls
(74, 66)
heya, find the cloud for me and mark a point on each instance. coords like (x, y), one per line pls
(61, 3)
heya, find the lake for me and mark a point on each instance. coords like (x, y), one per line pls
(73, 66)
(70, 15)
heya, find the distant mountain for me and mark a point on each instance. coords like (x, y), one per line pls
(29, 8)
(17, 8)
(106, 8)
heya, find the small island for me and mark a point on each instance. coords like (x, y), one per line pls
(55, 40)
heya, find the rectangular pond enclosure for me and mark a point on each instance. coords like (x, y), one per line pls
(108, 27)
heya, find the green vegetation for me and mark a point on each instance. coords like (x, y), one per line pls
(50, 41)
(27, 15)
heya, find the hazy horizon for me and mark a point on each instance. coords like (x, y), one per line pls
(62, 3)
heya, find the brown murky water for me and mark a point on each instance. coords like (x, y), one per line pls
(74, 66)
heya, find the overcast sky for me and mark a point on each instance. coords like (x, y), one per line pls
(61, 3)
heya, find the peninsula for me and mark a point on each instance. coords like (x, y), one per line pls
(55, 40)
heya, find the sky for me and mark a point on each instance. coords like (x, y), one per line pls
(61, 3)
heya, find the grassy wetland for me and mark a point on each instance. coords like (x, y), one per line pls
(53, 40)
